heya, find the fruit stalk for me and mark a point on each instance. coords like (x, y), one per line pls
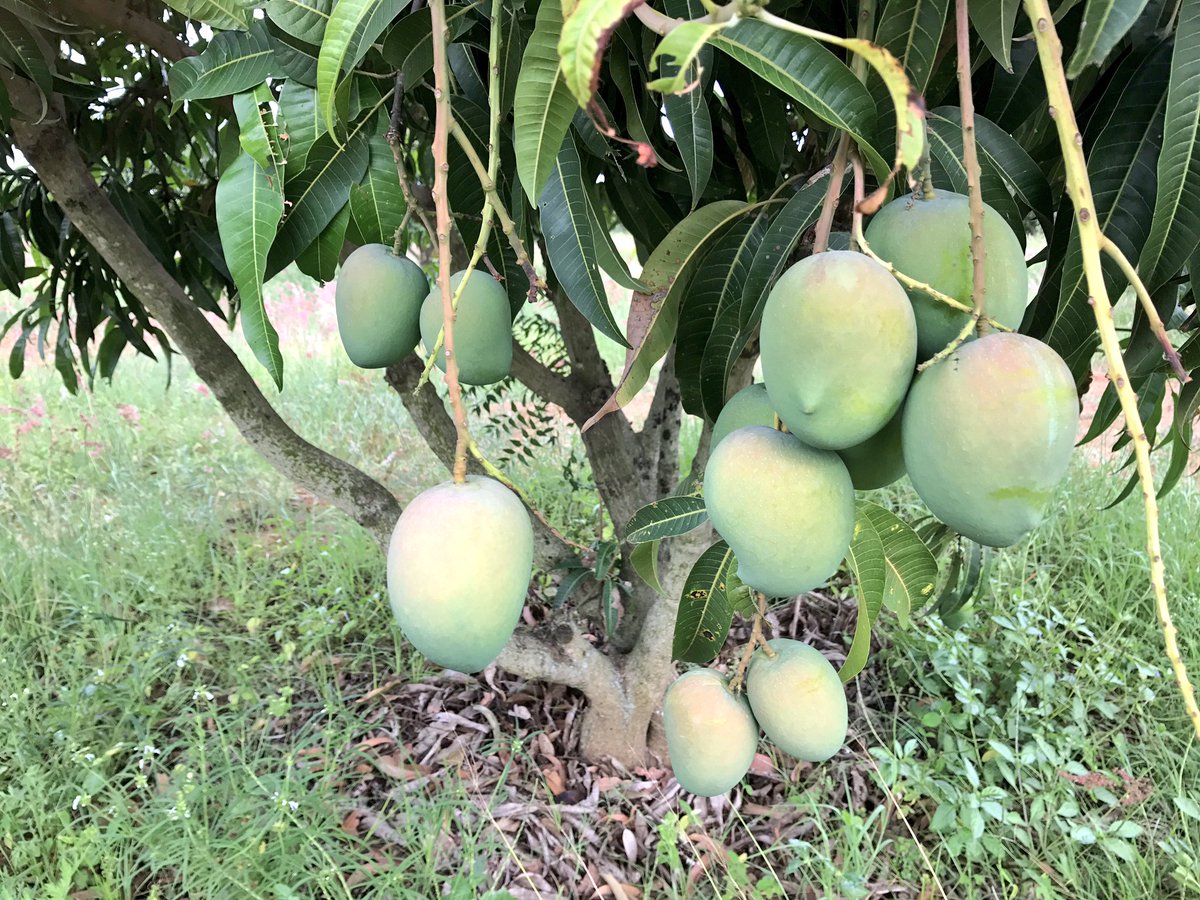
(757, 639)
(1091, 240)
(441, 199)
(966, 103)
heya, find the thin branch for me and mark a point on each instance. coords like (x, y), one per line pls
(547, 384)
(757, 639)
(109, 15)
(837, 174)
(1156, 323)
(1090, 238)
(412, 207)
(971, 162)
(959, 339)
(441, 199)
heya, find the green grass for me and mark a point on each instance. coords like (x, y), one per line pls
(184, 640)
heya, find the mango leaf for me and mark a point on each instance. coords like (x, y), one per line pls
(870, 575)
(683, 45)
(1175, 230)
(302, 19)
(249, 204)
(911, 30)
(25, 50)
(320, 259)
(233, 61)
(704, 616)
(946, 163)
(259, 135)
(226, 14)
(691, 125)
(293, 57)
(1104, 23)
(654, 316)
(644, 559)
(717, 286)
(810, 75)
(353, 26)
(317, 192)
(543, 106)
(301, 121)
(570, 582)
(408, 46)
(910, 568)
(736, 322)
(570, 244)
(994, 21)
(35, 13)
(907, 104)
(377, 202)
(667, 517)
(607, 257)
(585, 35)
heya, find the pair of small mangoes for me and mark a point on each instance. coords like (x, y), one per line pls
(384, 306)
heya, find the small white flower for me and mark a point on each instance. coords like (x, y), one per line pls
(324, 553)
(182, 661)
(294, 805)
(75, 803)
(90, 757)
(99, 673)
(286, 570)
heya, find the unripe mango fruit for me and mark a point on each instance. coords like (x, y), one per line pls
(482, 328)
(988, 434)
(458, 569)
(930, 240)
(378, 303)
(798, 700)
(711, 733)
(749, 406)
(879, 460)
(785, 509)
(839, 343)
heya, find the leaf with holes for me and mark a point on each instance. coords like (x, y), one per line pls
(665, 518)
(249, 204)
(259, 132)
(705, 614)
(301, 121)
(233, 61)
(543, 106)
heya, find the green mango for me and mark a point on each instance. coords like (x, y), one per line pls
(988, 434)
(378, 304)
(749, 406)
(879, 460)
(930, 240)
(458, 570)
(798, 700)
(711, 733)
(839, 343)
(785, 509)
(482, 328)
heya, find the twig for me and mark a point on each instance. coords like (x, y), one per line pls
(393, 139)
(1156, 323)
(756, 640)
(837, 174)
(907, 280)
(1090, 240)
(961, 338)
(971, 162)
(441, 199)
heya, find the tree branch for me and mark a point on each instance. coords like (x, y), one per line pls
(50, 147)
(550, 386)
(109, 15)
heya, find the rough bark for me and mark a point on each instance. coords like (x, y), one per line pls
(50, 148)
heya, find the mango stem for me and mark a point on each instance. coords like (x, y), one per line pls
(757, 639)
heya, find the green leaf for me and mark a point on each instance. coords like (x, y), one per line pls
(302, 19)
(570, 582)
(683, 45)
(543, 106)
(317, 192)
(1008, 159)
(870, 574)
(585, 35)
(226, 14)
(259, 135)
(570, 244)
(1188, 806)
(24, 50)
(1104, 23)
(716, 287)
(408, 46)
(911, 570)
(249, 204)
(735, 323)
(36, 14)
(377, 201)
(293, 57)
(353, 26)
(301, 120)
(654, 316)
(691, 125)
(607, 257)
(1175, 230)
(704, 616)
(644, 559)
(946, 161)
(233, 61)
(320, 259)
(667, 517)
(911, 30)
(994, 21)
(810, 75)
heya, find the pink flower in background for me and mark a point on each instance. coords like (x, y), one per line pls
(38, 408)
(130, 413)
(202, 390)
(7, 453)
(27, 426)
(94, 448)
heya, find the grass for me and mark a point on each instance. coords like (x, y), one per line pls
(185, 640)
